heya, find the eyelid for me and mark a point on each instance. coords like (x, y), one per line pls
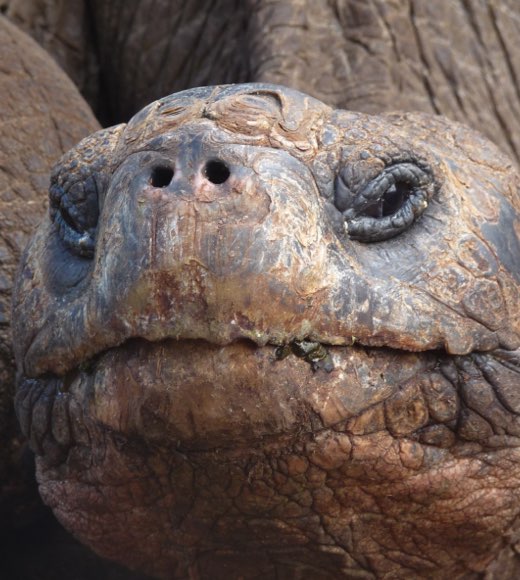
(360, 210)
(74, 212)
(80, 243)
(402, 172)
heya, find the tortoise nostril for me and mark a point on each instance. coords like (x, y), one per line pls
(216, 171)
(161, 176)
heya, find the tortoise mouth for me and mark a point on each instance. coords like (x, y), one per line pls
(197, 396)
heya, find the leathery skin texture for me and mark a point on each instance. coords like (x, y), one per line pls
(261, 338)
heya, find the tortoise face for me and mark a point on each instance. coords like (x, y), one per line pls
(251, 320)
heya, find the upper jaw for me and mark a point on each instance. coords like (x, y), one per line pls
(325, 300)
(76, 334)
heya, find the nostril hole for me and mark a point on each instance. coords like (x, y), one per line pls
(161, 176)
(216, 171)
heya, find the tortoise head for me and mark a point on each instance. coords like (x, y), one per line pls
(243, 297)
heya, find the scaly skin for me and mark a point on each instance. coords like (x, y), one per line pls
(41, 116)
(233, 366)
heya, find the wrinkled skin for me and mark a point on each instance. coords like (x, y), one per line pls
(458, 59)
(42, 116)
(174, 430)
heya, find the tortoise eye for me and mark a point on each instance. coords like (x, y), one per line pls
(391, 201)
(394, 197)
(75, 212)
(388, 205)
(78, 183)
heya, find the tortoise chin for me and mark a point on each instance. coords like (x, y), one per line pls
(196, 396)
(221, 447)
(259, 337)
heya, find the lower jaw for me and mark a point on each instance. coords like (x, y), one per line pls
(197, 396)
(224, 456)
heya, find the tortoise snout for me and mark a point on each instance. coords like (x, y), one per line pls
(212, 171)
(191, 170)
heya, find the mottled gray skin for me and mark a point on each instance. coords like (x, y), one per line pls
(455, 58)
(164, 306)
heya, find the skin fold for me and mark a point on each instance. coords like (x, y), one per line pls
(458, 59)
(41, 117)
(260, 337)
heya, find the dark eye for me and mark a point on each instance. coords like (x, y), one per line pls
(74, 211)
(394, 198)
(391, 201)
(388, 204)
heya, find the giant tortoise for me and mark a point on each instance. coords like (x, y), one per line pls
(458, 59)
(42, 115)
(260, 337)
